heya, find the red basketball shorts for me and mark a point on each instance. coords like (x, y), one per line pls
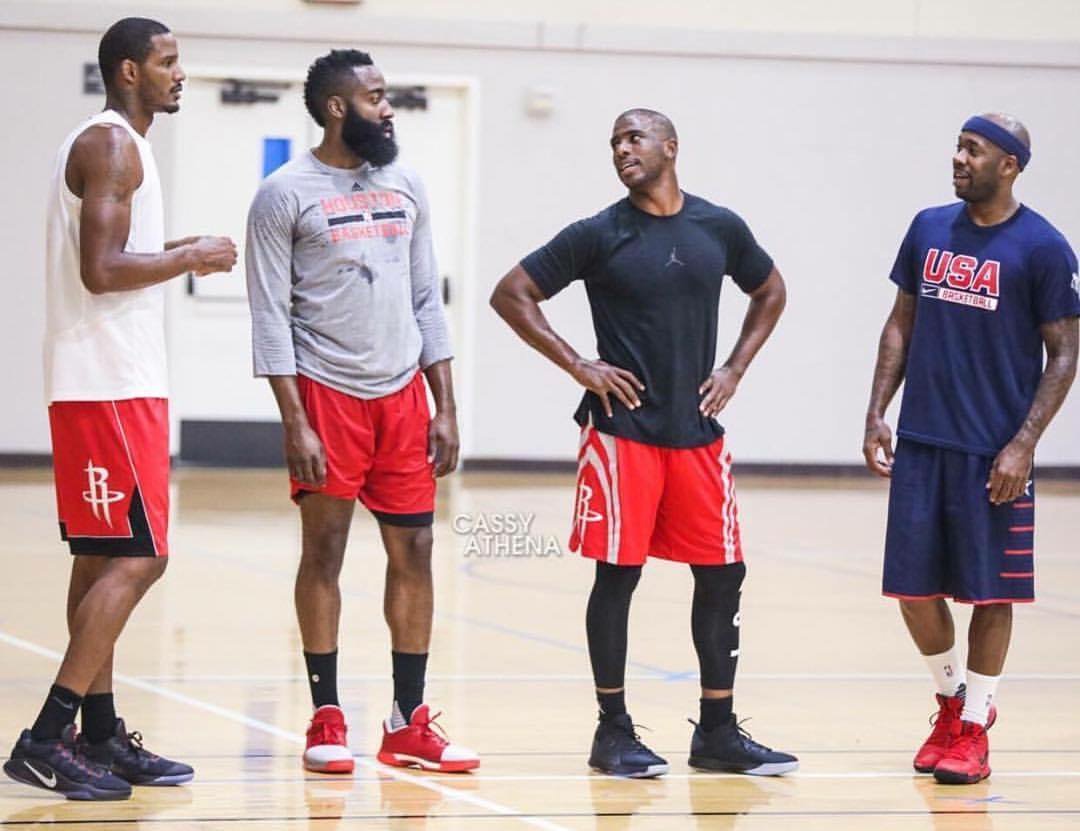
(637, 500)
(376, 450)
(111, 464)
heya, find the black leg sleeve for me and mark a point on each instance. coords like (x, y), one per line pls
(714, 621)
(606, 622)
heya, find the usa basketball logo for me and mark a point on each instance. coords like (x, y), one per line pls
(960, 278)
(98, 495)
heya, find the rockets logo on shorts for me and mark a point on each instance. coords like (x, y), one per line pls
(584, 513)
(98, 494)
(111, 465)
(960, 278)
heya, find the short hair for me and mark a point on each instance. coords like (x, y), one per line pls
(127, 39)
(664, 124)
(328, 75)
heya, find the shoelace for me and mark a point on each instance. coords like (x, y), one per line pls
(327, 733)
(744, 736)
(941, 728)
(939, 724)
(425, 727)
(629, 730)
(74, 754)
(135, 744)
(748, 740)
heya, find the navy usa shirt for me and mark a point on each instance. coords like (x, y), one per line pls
(653, 284)
(976, 353)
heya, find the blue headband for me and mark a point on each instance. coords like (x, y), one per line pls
(999, 136)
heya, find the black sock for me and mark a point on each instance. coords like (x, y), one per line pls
(322, 677)
(611, 704)
(715, 711)
(409, 671)
(98, 717)
(57, 713)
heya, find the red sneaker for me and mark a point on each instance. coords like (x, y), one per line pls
(417, 744)
(937, 743)
(327, 749)
(968, 758)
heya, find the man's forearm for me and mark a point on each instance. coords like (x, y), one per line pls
(888, 371)
(1061, 342)
(126, 271)
(287, 394)
(525, 317)
(441, 381)
(764, 311)
(176, 243)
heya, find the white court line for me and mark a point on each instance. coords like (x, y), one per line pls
(526, 678)
(847, 774)
(296, 738)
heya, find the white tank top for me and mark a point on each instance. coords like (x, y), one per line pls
(103, 347)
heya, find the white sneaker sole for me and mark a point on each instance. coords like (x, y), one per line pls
(773, 769)
(405, 760)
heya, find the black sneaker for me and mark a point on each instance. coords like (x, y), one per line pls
(729, 748)
(617, 750)
(123, 753)
(59, 765)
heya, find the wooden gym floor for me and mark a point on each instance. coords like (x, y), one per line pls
(211, 671)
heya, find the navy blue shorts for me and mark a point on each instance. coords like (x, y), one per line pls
(946, 539)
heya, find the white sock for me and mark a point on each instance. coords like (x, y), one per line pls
(947, 670)
(981, 690)
(397, 718)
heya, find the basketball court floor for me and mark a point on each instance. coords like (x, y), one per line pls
(212, 671)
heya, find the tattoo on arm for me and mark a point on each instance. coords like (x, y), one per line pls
(1061, 340)
(892, 354)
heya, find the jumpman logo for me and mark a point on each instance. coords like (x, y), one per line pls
(584, 513)
(99, 496)
(673, 259)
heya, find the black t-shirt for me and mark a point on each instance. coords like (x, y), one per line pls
(654, 289)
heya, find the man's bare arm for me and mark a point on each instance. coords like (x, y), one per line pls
(1012, 467)
(443, 441)
(517, 300)
(888, 373)
(767, 302)
(104, 170)
(304, 452)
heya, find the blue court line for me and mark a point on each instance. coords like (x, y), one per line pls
(470, 569)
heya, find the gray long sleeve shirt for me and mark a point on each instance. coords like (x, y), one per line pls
(341, 277)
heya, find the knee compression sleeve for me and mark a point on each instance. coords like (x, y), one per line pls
(606, 621)
(714, 621)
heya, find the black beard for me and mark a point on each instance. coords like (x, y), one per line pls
(368, 139)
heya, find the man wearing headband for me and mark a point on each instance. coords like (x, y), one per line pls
(985, 285)
(654, 475)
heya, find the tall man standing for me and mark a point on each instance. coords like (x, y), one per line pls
(106, 382)
(347, 321)
(984, 285)
(654, 472)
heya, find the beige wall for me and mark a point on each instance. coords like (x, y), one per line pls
(826, 143)
(1004, 19)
